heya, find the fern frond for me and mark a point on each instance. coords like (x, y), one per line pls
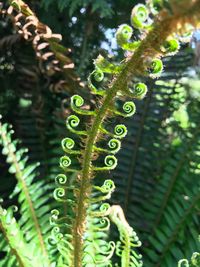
(53, 56)
(15, 240)
(195, 261)
(32, 194)
(87, 151)
(128, 240)
(148, 142)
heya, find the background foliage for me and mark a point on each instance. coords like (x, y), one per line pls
(157, 178)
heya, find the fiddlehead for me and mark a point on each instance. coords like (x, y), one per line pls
(140, 17)
(139, 91)
(144, 60)
(68, 145)
(123, 36)
(156, 67)
(171, 46)
(194, 262)
(113, 144)
(76, 103)
(110, 164)
(72, 123)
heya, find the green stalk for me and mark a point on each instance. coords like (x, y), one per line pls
(150, 47)
(15, 251)
(19, 176)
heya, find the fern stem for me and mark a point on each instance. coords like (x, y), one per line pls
(87, 175)
(19, 176)
(15, 251)
(150, 47)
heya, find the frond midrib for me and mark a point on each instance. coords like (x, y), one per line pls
(19, 176)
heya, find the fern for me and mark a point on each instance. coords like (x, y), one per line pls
(13, 236)
(33, 207)
(163, 184)
(80, 221)
(97, 129)
(195, 261)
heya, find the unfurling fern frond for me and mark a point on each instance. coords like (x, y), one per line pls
(128, 240)
(194, 262)
(81, 218)
(90, 157)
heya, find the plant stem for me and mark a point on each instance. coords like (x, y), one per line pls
(149, 48)
(19, 176)
(15, 251)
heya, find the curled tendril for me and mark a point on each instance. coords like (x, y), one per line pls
(114, 145)
(110, 162)
(195, 261)
(195, 258)
(55, 237)
(108, 186)
(61, 179)
(123, 36)
(184, 263)
(73, 122)
(103, 210)
(105, 66)
(65, 162)
(67, 145)
(129, 108)
(156, 68)
(120, 131)
(59, 194)
(55, 213)
(102, 225)
(76, 103)
(170, 47)
(140, 17)
(98, 76)
(139, 91)
(107, 249)
(119, 249)
(105, 207)
(59, 222)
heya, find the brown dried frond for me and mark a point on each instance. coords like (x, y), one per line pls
(53, 57)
